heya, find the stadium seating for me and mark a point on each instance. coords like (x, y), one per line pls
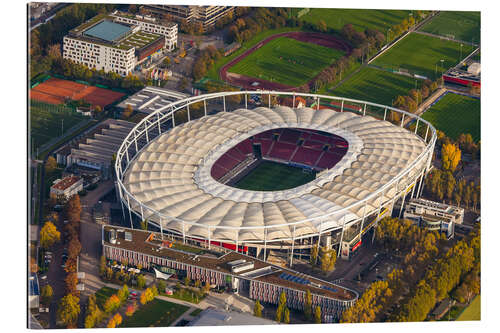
(289, 135)
(282, 150)
(306, 156)
(328, 160)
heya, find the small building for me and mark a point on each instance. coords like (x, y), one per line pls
(231, 48)
(84, 111)
(441, 309)
(214, 317)
(431, 210)
(66, 187)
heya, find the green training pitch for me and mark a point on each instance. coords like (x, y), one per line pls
(287, 61)
(361, 19)
(272, 176)
(473, 311)
(375, 85)
(456, 114)
(464, 26)
(48, 121)
(157, 313)
(422, 54)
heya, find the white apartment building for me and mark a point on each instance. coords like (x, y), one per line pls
(66, 187)
(117, 44)
(97, 56)
(151, 24)
(431, 211)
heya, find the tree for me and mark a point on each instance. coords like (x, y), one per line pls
(322, 27)
(286, 317)
(257, 309)
(68, 310)
(308, 305)
(94, 314)
(187, 281)
(450, 155)
(46, 294)
(144, 225)
(127, 112)
(71, 281)
(162, 285)
(102, 266)
(112, 304)
(131, 309)
(73, 209)
(317, 315)
(49, 235)
(123, 294)
(50, 165)
(141, 281)
(118, 319)
(74, 247)
(111, 323)
(314, 255)
(97, 110)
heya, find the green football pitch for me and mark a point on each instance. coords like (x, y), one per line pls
(287, 61)
(422, 54)
(456, 114)
(472, 312)
(375, 85)
(464, 26)
(361, 19)
(50, 121)
(272, 176)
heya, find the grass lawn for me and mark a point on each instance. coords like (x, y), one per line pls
(272, 176)
(47, 121)
(473, 311)
(420, 54)
(375, 85)
(287, 61)
(157, 313)
(103, 294)
(464, 26)
(361, 19)
(213, 73)
(456, 114)
(196, 312)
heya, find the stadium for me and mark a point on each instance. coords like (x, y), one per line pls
(185, 169)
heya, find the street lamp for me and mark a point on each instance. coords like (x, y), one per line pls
(459, 60)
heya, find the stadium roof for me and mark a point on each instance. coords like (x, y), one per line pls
(170, 175)
(108, 31)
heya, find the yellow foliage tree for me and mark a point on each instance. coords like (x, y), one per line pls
(49, 235)
(450, 155)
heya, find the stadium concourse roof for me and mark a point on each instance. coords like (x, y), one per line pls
(172, 174)
(150, 99)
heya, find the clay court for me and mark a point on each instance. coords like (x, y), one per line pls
(57, 91)
(249, 82)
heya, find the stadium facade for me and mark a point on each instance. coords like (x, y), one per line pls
(173, 175)
(118, 42)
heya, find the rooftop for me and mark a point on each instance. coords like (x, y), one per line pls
(150, 99)
(151, 244)
(65, 183)
(108, 31)
(214, 317)
(138, 40)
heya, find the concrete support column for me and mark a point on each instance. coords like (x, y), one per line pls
(188, 113)
(205, 106)
(224, 102)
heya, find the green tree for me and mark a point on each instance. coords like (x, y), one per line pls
(257, 309)
(112, 304)
(144, 225)
(162, 285)
(123, 294)
(46, 294)
(50, 165)
(49, 235)
(141, 281)
(68, 310)
(317, 315)
(187, 281)
(93, 313)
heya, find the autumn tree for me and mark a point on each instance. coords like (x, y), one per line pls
(93, 313)
(317, 315)
(328, 259)
(308, 305)
(286, 316)
(129, 311)
(97, 110)
(46, 294)
(281, 307)
(49, 235)
(141, 281)
(73, 209)
(112, 304)
(50, 165)
(314, 255)
(118, 319)
(102, 266)
(123, 294)
(111, 323)
(71, 281)
(127, 112)
(257, 309)
(450, 155)
(74, 247)
(144, 225)
(68, 310)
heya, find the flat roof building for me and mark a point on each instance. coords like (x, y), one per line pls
(215, 317)
(66, 187)
(259, 279)
(150, 99)
(116, 43)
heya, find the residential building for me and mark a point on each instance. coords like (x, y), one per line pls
(206, 15)
(66, 187)
(117, 44)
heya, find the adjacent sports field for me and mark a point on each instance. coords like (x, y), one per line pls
(464, 26)
(473, 311)
(57, 91)
(422, 54)
(157, 313)
(361, 19)
(375, 85)
(456, 114)
(272, 176)
(48, 121)
(287, 61)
